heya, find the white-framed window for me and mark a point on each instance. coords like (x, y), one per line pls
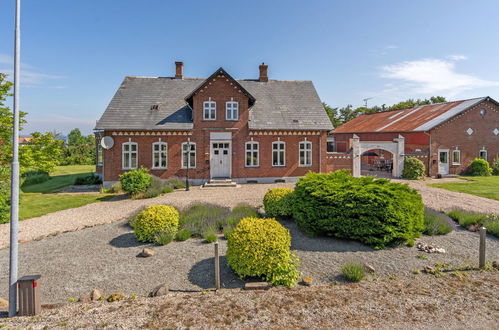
(305, 152)
(278, 153)
(209, 110)
(159, 155)
(330, 145)
(456, 157)
(231, 110)
(189, 155)
(129, 155)
(100, 155)
(483, 154)
(252, 154)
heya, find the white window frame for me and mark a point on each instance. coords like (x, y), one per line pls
(278, 154)
(251, 151)
(190, 152)
(308, 159)
(486, 154)
(129, 154)
(454, 158)
(100, 154)
(161, 156)
(328, 140)
(234, 109)
(208, 107)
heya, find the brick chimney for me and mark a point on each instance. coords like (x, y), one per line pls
(179, 70)
(263, 72)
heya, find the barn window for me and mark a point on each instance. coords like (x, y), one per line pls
(331, 147)
(456, 157)
(483, 154)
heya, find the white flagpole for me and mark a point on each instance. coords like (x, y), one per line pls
(14, 200)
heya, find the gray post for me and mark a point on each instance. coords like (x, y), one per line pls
(14, 198)
(217, 267)
(483, 232)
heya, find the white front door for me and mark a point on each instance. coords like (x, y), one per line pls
(220, 164)
(443, 162)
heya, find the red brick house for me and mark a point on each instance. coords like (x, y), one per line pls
(251, 130)
(445, 136)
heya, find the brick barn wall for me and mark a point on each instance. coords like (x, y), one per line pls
(339, 161)
(452, 134)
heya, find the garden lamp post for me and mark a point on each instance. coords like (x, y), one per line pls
(188, 158)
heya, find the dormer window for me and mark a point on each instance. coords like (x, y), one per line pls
(231, 110)
(209, 110)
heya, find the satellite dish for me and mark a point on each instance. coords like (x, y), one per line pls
(107, 142)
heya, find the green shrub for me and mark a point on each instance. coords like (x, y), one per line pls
(210, 235)
(183, 234)
(467, 218)
(176, 183)
(114, 189)
(479, 167)
(34, 177)
(135, 181)
(414, 169)
(278, 202)
(374, 211)
(91, 179)
(200, 217)
(155, 219)
(261, 247)
(4, 202)
(228, 231)
(239, 212)
(156, 188)
(495, 166)
(435, 224)
(353, 272)
(163, 238)
(492, 225)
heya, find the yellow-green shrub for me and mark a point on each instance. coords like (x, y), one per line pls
(155, 219)
(261, 247)
(278, 202)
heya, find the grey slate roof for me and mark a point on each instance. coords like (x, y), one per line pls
(279, 105)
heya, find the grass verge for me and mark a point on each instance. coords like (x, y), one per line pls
(483, 186)
(63, 176)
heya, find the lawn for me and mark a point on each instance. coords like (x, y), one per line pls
(483, 186)
(39, 199)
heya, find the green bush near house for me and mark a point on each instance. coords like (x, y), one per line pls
(353, 272)
(434, 224)
(479, 167)
(261, 248)
(278, 202)
(136, 181)
(156, 219)
(376, 212)
(414, 169)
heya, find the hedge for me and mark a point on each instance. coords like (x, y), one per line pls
(479, 167)
(374, 211)
(278, 202)
(136, 181)
(414, 169)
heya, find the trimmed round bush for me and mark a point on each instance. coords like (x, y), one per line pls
(156, 219)
(414, 169)
(376, 212)
(278, 202)
(479, 167)
(135, 181)
(261, 247)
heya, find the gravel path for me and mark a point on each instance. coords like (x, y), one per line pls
(104, 257)
(119, 208)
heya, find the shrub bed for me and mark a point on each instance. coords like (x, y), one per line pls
(261, 248)
(376, 212)
(278, 202)
(434, 224)
(156, 220)
(135, 181)
(91, 179)
(473, 220)
(34, 177)
(479, 167)
(414, 169)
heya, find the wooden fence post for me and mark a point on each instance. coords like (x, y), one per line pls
(483, 232)
(217, 267)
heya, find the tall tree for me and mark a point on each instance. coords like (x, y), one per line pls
(42, 153)
(80, 149)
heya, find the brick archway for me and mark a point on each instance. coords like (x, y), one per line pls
(395, 147)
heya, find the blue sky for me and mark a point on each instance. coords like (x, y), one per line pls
(75, 53)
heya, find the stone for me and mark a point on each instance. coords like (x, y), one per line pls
(429, 248)
(160, 290)
(146, 252)
(370, 268)
(307, 281)
(257, 286)
(117, 296)
(4, 304)
(84, 299)
(495, 264)
(429, 269)
(95, 295)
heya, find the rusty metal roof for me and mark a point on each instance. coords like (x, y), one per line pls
(421, 118)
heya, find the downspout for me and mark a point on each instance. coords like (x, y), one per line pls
(430, 153)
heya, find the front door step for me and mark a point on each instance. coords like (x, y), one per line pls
(220, 183)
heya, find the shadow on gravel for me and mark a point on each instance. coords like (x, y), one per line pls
(300, 241)
(125, 241)
(202, 274)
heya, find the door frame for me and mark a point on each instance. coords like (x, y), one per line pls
(230, 156)
(448, 161)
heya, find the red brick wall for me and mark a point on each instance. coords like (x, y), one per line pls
(339, 161)
(453, 134)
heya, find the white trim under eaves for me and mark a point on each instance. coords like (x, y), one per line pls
(449, 114)
(400, 118)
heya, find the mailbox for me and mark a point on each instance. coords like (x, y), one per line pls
(29, 295)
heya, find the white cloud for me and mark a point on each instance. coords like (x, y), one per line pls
(29, 77)
(433, 76)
